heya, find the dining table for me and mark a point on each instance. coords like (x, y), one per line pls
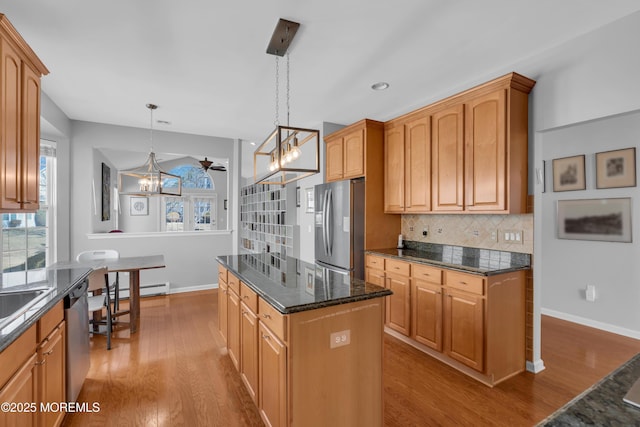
(132, 265)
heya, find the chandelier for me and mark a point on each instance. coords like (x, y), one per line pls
(288, 153)
(149, 179)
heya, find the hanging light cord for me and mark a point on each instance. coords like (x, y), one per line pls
(277, 120)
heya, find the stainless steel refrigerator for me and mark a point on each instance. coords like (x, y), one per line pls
(339, 226)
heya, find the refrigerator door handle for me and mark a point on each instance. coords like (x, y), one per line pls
(325, 224)
(330, 223)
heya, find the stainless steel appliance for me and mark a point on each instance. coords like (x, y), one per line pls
(339, 226)
(76, 315)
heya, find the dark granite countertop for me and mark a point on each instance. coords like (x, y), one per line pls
(291, 285)
(58, 284)
(602, 404)
(486, 262)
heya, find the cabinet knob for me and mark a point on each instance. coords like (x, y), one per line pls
(266, 337)
(266, 316)
(48, 353)
(42, 362)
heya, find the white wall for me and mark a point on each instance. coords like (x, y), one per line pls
(591, 77)
(190, 259)
(611, 267)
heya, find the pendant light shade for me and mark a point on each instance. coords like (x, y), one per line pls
(149, 179)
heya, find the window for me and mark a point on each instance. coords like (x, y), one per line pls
(27, 238)
(196, 209)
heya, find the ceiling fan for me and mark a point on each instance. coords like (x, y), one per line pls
(208, 165)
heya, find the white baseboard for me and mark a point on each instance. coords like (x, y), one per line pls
(194, 288)
(591, 323)
(535, 367)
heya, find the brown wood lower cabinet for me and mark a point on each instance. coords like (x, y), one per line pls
(295, 371)
(233, 327)
(472, 322)
(32, 373)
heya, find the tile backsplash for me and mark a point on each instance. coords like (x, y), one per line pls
(476, 231)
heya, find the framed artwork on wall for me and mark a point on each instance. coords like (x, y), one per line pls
(607, 220)
(139, 206)
(616, 168)
(568, 174)
(106, 192)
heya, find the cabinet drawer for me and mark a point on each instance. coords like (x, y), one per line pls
(374, 261)
(273, 319)
(222, 274)
(427, 273)
(234, 283)
(397, 267)
(249, 297)
(50, 320)
(464, 282)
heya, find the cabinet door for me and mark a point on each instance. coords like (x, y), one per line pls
(272, 369)
(51, 376)
(464, 327)
(447, 139)
(394, 169)
(30, 137)
(354, 154)
(233, 327)
(426, 309)
(398, 308)
(334, 159)
(10, 87)
(21, 388)
(486, 153)
(249, 353)
(222, 309)
(418, 165)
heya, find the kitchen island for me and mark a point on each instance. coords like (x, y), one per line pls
(307, 341)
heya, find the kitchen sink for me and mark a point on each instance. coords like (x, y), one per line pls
(15, 303)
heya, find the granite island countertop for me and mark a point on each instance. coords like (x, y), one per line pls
(602, 404)
(291, 285)
(486, 262)
(58, 284)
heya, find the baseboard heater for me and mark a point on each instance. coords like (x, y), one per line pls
(148, 290)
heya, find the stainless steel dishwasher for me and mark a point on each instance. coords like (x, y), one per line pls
(76, 315)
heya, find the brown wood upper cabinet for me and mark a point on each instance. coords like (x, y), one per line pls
(348, 150)
(20, 72)
(357, 151)
(408, 165)
(472, 158)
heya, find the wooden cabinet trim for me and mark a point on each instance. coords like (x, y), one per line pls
(275, 320)
(248, 297)
(16, 353)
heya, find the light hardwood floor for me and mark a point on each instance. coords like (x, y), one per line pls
(175, 372)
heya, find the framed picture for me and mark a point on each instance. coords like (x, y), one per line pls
(297, 197)
(606, 220)
(106, 192)
(139, 206)
(568, 174)
(309, 205)
(616, 168)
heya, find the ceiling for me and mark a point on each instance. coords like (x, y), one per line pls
(204, 62)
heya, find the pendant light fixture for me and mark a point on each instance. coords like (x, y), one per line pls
(289, 153)
(149, 179)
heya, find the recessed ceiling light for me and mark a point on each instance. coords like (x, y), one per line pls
(380, 86)
(252, 143)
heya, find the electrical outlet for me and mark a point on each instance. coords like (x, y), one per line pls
(439, 230)
(425, 231)
(494, 236)
(590, 293)
(411, 228)
(339, 339)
